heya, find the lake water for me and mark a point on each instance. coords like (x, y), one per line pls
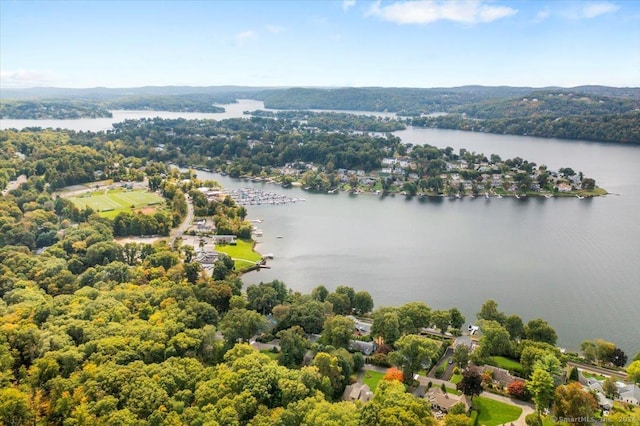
(575, 263)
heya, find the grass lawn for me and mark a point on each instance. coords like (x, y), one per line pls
(456, 378)
(593, 376)
(242, 253)
(270, 354)
(110, 203)
(493, 413)
(453, 391)
(371, 379)
(506, 363)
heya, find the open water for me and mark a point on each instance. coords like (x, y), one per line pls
(575, 263)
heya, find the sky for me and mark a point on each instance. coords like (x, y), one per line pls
(332, 43)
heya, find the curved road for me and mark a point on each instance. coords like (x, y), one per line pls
(177, 232)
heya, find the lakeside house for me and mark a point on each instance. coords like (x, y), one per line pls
(501, 377)
(444, 401)
(224, 239)
(627, 392)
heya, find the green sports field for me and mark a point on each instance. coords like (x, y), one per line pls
(110, 203)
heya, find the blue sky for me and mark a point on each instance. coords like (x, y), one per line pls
(319, 43)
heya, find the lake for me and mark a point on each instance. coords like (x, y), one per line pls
(575, 263)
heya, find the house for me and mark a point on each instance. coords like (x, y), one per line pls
(629, 393)
(206, 257)
(501, 377)
(367, 348)
(224, 239)
(444, 401)
(389, 161)
(357, 392)
(595, 387)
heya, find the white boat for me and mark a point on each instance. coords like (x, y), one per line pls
(499, 196)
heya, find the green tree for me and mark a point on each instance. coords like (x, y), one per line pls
(294, 345)
(414, 316)
(456, 318)
(386, 325)
(337, 331)
(441, 320)
(495, 339)
(319, 293)
(461, 355)
(15, 409)
(262, 298)
(539, 330)
(633, 371)
(329, 367)
(489, 312)
(393, 406)
(362, 302)
(241, 325)
(412, 351)
(541, 387)
(610, 388)
(340, 302)
(514, 326)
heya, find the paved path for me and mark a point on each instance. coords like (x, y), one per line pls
(180, 230)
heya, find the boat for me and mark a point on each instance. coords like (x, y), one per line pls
(499, 196)
(579, 197)
(279, 236)
(548, 196)
(486, 195)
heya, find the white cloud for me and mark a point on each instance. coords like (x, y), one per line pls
(591, 10)
(428, 11)
(587, 10)
(275, 28)
(541, 16)
(244, 36)
(26, 78)
(346, 4)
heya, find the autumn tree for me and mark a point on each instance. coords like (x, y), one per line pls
(571, 401)
(393, 374)
(517, 389)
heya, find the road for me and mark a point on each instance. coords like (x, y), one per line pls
(181, 229)
(598, 370)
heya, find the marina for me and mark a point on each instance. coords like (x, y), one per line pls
(256, 197)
